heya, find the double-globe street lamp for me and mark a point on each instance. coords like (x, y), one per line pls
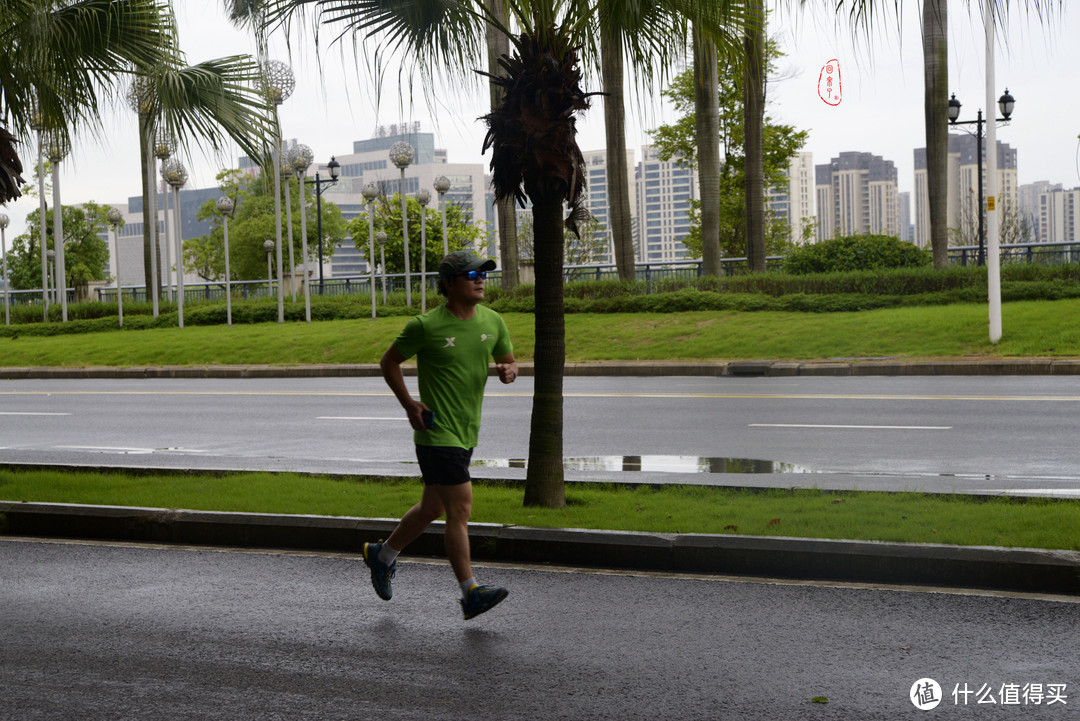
(301, 160)
(1005, 104)
(402, 154)
(114, 217)
(225, 207)
(320, 184)
(175, 174)
(442, 186)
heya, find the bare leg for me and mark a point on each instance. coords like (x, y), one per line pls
(457, 501)
(417, 519)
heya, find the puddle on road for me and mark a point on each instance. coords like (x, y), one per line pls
(659, 464)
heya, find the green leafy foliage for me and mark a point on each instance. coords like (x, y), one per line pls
(855, 252)
(85, 253)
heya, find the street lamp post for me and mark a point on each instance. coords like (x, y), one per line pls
(114, 218)
(302, 157)
(225, 207)
(175, 174)
(3, 250)
(57, 151)
(286, 170)
(1005, 104)
(401, 155)
(333, 167)
(423, 197)
(278, 82)
(370, 192)
(380, 237)
(268, 246)
(163, 149)
(50, 286)
(442, 185)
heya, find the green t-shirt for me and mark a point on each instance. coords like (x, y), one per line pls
(452, 357)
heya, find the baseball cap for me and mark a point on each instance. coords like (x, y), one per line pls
(462, 261)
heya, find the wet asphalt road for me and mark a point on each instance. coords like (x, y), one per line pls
(123, 632)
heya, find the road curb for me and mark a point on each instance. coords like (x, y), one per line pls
(751, 368)
(1008, 569)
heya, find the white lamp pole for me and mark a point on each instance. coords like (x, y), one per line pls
(442, 185)
(163, 148)
(286, 170)
(380, 237)
(370, 192)
(114, 220)
(401, 155)
(302, 157)
(175, 174)
(3, 250)
(225, 207)
(269, 246)
(57, 150)
(278, 83)
(423, 197)
(993, 260)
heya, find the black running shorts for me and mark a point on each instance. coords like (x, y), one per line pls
(444, 465)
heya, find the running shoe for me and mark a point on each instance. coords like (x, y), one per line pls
(381, 573)
(480, 599)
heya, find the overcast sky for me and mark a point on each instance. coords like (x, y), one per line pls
(881, 110)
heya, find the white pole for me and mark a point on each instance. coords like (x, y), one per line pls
(178, 254)
(43, 211)
(423, 258)
(405, 238)
(993, 259)
(168, 280)
(288, 222)
(276, 159)
(60, 276)
(228, 280)
(445, 237)
(303, 245)
(371, 252)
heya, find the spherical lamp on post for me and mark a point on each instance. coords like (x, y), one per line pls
(3, 251)
(175, 174)
(225, 207)
(163, 150)
(114, 218)
(442, 185)
(58, 150)
(278, 84)
(402, 155)
(370, 192)
(301, 161)
(268, 246)
(380, 238)
(423, 198)
(286, 169)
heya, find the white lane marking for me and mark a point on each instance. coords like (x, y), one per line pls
(822, 425)
(359, 418)
(124, 449)
(1043, 492)
(29, 413)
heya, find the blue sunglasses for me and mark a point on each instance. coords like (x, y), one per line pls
(473, 274)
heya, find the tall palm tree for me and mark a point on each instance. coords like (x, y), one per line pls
(935, 40)
(754, 134)
(532, 135)
(498, 45)
(61, 62)
(707, 134)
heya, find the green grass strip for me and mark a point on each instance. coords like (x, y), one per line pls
(869, 516)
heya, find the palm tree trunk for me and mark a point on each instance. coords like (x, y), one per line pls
(506, 214)
(618, 174)
(544, 478)
(936, 110)
(754, 131)
(707, 134)
(147, 188)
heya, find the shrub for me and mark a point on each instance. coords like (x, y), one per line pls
(855, 252)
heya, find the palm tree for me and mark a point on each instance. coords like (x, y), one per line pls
(935, 89)
(754, 134)
(61, 62)
(707, 133)
(532, 135)
(498, 45)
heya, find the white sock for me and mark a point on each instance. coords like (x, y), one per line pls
(467, 585)
(387, 555)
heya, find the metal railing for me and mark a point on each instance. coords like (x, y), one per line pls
(1014, 253)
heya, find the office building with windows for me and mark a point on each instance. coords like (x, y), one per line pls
(664, 191)
(795, 205)
(856, 193)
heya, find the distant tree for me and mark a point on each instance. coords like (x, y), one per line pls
(589, 248)
(86, 253)
(252, 224)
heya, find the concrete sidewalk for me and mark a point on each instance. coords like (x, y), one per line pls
(1029, 570)
(831, 367)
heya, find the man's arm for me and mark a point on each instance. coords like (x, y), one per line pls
(391, 371)
(506, 367)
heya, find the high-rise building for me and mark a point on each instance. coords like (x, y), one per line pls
(963, 188)
(1030, 212)
(664, 191)
(1059, 216)
(599, 197)
(903, 206)
(795, 205)
(856, 193)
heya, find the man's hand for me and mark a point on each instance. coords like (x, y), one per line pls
(415, 413)
(508, 372)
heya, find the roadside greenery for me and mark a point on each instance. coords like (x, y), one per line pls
(856, 252)
(894, 517)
